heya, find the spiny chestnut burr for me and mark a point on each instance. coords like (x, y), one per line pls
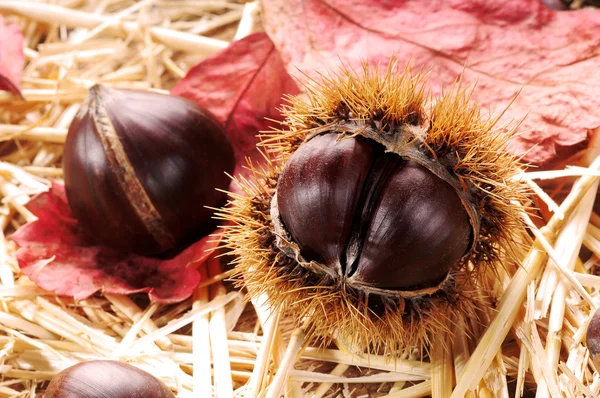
(141, 168)
(383, 215)
(106, 379)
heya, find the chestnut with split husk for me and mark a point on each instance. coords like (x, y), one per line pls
(380, 220)
(383, 215)
(141, 168)
(106, 379)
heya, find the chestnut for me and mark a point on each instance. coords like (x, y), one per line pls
(141, 168)
(592, 339)
(380, 219)
(106, 379)
(383, 215)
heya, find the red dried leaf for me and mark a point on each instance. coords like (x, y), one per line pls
(57, 255)
(552, 57)
(11, 57)
(242, 85)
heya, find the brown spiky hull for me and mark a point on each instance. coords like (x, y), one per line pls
(448, 137)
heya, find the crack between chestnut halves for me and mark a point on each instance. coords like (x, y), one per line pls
(381, 170)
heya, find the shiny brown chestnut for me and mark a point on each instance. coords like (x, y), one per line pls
(379, 219)
(106, 379)
(141, 168)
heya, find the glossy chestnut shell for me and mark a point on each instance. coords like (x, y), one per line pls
(106, 379)
(140, 169)
(377, 219)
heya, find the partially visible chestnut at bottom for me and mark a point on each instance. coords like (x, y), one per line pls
(593, 338)
(106, 379)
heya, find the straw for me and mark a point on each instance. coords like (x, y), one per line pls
(531, 323)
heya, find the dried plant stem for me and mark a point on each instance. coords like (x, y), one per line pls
(461, 350)
(133, 312)
(16, 198)
(552, 206)
(112, 20)
(289, 359)
(541, 371)
(40, 133)
(201, 344)
(248, 20)
(96, 336)
(551, 174)
(135, 329)
(264, 314)
(568, 245)
(224, 19)
(54, 172)
(72, 18)
(588, 280)
(47, 95)
(441, 365)
(99, 316)
(31, 341)
(558, 263)
(218, 337)
(397, 386)
(190, 317)
(418, 390)
(372, 361)
(515, 293)
(338, 370)
(259, 375)
(317, 377)
(216, 278)
(295, 389)
(30, 328)
(524, 356)
(582, 388)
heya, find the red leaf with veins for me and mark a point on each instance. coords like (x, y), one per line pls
(58, 256)
(552, 58)
(11, 57)
(241, 86)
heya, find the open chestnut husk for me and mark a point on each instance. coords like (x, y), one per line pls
(106, 379)
(141, 168)
(384, 214)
